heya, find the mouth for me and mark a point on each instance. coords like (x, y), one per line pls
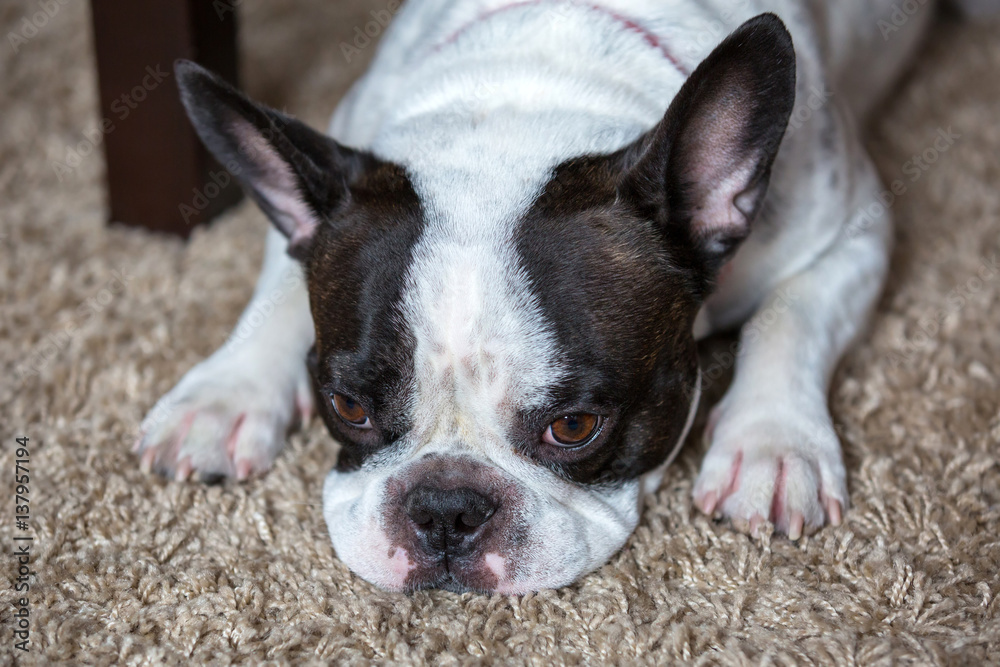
(446, 579)
(449, 582)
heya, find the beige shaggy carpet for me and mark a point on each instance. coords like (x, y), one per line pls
(97, 322)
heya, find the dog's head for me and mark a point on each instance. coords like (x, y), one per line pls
(507, 377)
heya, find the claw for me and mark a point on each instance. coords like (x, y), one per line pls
(137, 445)
(184, 470)
(231, 440)
(147, 460)
(709, 502)
(833, 511)
(243, 469)
(755, 523)
(795, 526)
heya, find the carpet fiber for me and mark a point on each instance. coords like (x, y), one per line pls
(97, 322)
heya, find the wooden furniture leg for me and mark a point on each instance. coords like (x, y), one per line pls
(159, 176)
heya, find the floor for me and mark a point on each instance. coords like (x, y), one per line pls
(97, 322)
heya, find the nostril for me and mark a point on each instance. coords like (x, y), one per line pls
(470, 520)
(421, 518)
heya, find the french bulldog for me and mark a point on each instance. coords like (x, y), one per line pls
(491, 276)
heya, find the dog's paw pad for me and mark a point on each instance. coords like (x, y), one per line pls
(798, 488)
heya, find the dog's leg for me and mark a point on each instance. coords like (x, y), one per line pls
(228, 416)
(774, 453)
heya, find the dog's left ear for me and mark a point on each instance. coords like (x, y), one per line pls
(299, 177)
(702, 172)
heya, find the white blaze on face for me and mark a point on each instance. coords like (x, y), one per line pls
(483, 349)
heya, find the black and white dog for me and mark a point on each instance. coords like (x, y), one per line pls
(490, 281)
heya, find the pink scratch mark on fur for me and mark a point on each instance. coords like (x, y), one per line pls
(497, 565)
(778, 500)
(734, 479)
(234, 434)
(627, 23)
(399, 565)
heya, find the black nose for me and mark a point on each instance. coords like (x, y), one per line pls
(449, 522)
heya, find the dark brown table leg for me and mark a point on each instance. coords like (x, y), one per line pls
(159, 175)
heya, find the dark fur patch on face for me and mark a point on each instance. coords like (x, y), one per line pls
(621, 251)
(621, 298)
(356, 273)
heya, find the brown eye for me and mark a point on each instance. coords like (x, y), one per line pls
(351, 411)
(573, 430)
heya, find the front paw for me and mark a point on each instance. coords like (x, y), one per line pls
(228, 417)
(792, 476)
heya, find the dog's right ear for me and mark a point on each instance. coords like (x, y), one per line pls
(297, 176)
(703, 171)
